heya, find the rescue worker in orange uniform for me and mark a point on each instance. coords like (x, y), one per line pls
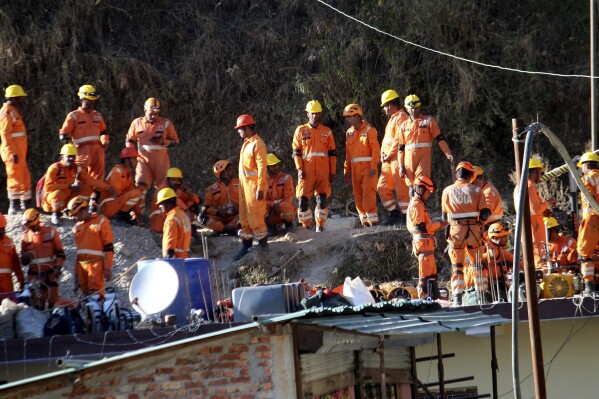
(492, 196)
(85, 127)
(392, 189)
(126, 198)
(421, 227)
(176, 236)
(497, 260)
(315, 158)
(253, 186)
(561, 248)
(415, 137)
(362, 154)
(464, 207)
(42, 251)
(187, 201)
(66, 180)
(153, 135)
(279, 197)
(95, 252)
(9, 261)
(13, 149)
(588, 232)
(221, 204)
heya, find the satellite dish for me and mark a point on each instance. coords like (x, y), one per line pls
(154, 288)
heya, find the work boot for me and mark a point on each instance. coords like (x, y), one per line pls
(56, 218)
(319, 229)
(289, 227)
(262, 245)
(232, 231)
(25, 204)
(434, 290)
(392, 219)
(457, 300)
(13, 207)
(272, 231)
(589, 288)
(245, 247)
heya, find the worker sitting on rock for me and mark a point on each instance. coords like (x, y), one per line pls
(176, 236)
(126, 198)
(42, 251)
(421, 227)
(9, 261)
(279, 197)
(187, 201)
(66, 180)
(560, 249)
(95, 252)
(221, 206)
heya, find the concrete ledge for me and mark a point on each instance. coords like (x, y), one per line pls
(345, 223)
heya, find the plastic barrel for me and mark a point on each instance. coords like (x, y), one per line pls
(200, 290)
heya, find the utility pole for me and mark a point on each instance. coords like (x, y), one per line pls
(593, 132)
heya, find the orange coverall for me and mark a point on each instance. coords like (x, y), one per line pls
(85, 130)
(56, 191)
(94, 253)
(279, 199)
(462, 202)
(43, 252)
(362, 154)
(185, 199)
(563, 252)
(588, 232)
(478, 279)
(9, 264)
(421, 227)
(537, 208)
(127, 196)
(220, 196)
(498, 260)
(493, 200)
(153, 160)
(177, 234)
(252, 178)
(314, 152)
(389, 180)
(13, 135)
(415, 146)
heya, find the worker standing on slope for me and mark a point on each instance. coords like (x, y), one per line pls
(392, 189)
(221, 203)
(85, 127)
(9, 261)
(279, 197)
(13, 149)
(176, 236)
(588, 232)
(315, 158)
(416, 136)
(362, 154)
(253, 186)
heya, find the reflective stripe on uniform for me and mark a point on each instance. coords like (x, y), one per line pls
(181, 250)
(454, 216)
(304, 216)
(321, 213)
(19, 134)
(89, 252)
(43, 260)
(248, 173)
(6, 271)
(314, 154)
(156, 212)
(361, 159)
(85, 139)
(493, 217)
(418, 145)
(420, 236)
(153, 147)
(389, 205)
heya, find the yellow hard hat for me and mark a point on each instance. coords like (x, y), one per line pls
(550, 222)
(536, 164)
(165, 194)
(14, 91)
(89, 92)
(498, 230)
(313, 107)
(174, 173)
(352, 109)
(271, 159)
(412, 101)
(68, 149)
(388, 96)
(219, 167)
(76, 205)
(478, 171)
(31, 217)
(153, 105)
(588, 157)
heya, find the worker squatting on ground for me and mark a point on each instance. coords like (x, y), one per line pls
(153, 135)
(66, 180)
(315, 159)
(465, 208)
(42, 251)
(392, 189)
(492, 196)
(421, 227)
(176, 236)
(13, 149)
(85, 127)
(362, 154)
(124, 198)
(221, 202)
(416, 135)
(279, 197)
(9, 261)
(253, 186)
(95, 252)
(588, 233)
(558, 249)
(187, 201)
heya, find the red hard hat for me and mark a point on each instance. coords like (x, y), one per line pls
(129, 152)
(244, 120)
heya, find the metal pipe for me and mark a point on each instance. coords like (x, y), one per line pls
(494, 365)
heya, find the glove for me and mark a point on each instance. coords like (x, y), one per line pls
(104, 139)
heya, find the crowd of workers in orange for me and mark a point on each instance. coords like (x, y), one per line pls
(260, 200)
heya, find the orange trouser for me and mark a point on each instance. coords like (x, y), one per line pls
(56, 201)
(316, 181)
(123, 203)
(424, 249)
(218, 224)
(18, 180)
(251, 211)
(181, 255)
(283, 213)
(538, 238)
(6, 282)
(91, 276)
(364, 189)
(96, 166)
(477, 278)
(48, 292)
(390, 181)
(462, 240)
(418, 163)
(153, 170)
(588, 239)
